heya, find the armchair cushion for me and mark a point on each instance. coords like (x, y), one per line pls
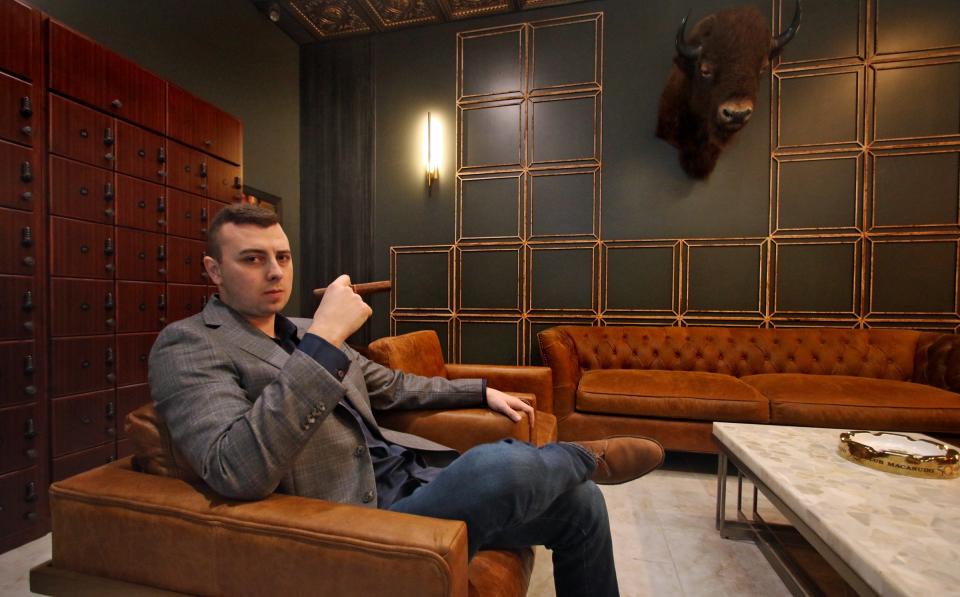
(162, 532)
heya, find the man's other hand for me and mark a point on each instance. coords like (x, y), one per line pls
(341, 312)
(511, 406)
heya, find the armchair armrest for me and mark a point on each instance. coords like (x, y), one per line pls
(937, 361)
(163, 532)
(560, 354)
(511, 378)
(461, 429)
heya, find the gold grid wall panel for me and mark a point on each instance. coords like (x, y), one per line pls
(864, 190)
(865, 206)
(526, 249)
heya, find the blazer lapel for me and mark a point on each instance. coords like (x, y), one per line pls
(243, 335)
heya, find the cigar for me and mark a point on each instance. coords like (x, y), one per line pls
(361, 289)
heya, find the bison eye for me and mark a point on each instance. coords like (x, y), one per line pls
(706, 70)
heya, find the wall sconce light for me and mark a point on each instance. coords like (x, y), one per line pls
(432, 150)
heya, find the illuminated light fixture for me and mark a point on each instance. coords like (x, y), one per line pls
(432, 144)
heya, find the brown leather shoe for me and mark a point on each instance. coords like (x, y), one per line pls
(623, 458)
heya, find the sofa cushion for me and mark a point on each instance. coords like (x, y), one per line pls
(671, 394)
(839, 401)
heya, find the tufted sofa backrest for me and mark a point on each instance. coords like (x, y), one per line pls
(882, 354)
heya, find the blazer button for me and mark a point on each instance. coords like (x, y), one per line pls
(367, 497)
(341, 373)
(358, 452)
(311, 420)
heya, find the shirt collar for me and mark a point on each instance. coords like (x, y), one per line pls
(285, 330)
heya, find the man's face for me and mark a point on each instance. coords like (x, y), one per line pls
(255, 272)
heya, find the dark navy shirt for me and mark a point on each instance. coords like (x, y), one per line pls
(398, 471)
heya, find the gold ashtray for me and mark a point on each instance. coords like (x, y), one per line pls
(901, 454)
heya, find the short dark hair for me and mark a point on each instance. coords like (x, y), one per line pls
(237, 213)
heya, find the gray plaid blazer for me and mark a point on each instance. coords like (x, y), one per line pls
(252, 419)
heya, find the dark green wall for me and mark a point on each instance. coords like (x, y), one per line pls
(225, 52)
(838, 209)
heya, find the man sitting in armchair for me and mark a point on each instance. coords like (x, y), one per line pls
(260, 403)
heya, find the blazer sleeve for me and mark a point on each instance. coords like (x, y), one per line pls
(241, 445)
(395, 390)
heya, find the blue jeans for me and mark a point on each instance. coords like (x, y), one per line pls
(512, 494)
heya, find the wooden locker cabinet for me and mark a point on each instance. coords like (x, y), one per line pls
(91, 152)
(18, 247)
(17, 115)
(188, 215)
(20, 501)
(82, 249)
(83, 421)
(82, 307)
(185, 261)
(18, 379)
(81, 133)
(141, 204)
(141, 256)
(24, 436)
(133, 353)
(84, 70)
(18, 307)
(141, 153)
(68, 466)
(203, 126)
(20, 180)
(81, 191)
(18, 38)
(20, 430)
(82, 364)
(184, 300)
(143, 307)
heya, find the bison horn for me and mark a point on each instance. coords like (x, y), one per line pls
(784, 38)
(684, 49)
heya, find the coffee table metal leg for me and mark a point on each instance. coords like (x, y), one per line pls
(721, 491)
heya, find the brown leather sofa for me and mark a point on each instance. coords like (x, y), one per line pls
(147, 525)
(671, 383)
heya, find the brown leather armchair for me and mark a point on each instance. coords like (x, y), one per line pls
(420, 353)
(146, 525)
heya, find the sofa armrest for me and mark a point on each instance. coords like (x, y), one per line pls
(937, 361)
(163, 532)
(511, 378)
(560, 354)
(461, 429)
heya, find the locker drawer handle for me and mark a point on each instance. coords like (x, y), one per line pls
(107, 137)
(31, 453)
(85, 364)
(29, 429)
(143, 358)
(108, 246)
(28, 364)
(84, 307)
(84, 134)
(109, 357)
(108, 301)
(110, 322)
(27, 130)
(116, 104)
(108, 192)
(85, 420)
(142, 152)
(26, 236)
(84, 191)
(30, 494)
(161, 155)
(142, 204)
(26, 172)
(28, 300)
(26, 106)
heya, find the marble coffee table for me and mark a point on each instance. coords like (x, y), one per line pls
(885, 534)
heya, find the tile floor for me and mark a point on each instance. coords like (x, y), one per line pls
(664, 539)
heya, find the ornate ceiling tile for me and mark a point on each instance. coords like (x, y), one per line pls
(465, 9)
(392, 14)
(330, 18)
(527, 4)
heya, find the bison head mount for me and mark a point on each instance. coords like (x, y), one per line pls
(712, 89)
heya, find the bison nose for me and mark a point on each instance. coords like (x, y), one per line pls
(735, 115)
